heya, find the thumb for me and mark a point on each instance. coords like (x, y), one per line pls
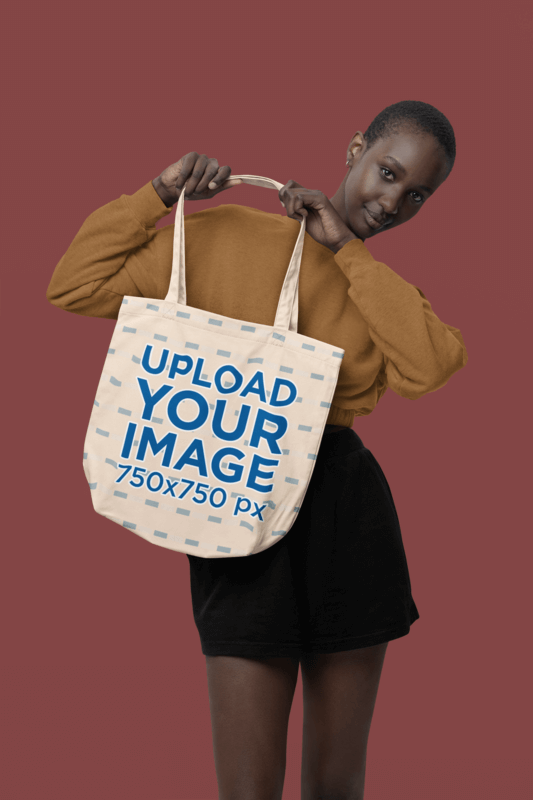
(226, 185)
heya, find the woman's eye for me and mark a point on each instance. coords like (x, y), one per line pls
(419, 195)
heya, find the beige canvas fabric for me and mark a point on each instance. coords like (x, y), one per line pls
(205, 429)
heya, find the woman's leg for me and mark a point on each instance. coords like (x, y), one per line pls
(250, 701)
(339, 692)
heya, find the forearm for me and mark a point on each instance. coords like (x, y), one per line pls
(99, 254)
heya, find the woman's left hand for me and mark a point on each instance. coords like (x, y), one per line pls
(323, 222)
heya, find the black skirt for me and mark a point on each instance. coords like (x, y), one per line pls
(338, 580)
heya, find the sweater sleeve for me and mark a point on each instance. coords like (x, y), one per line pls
(421, 352)
(112, 255)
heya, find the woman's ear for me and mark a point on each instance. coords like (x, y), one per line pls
(356, 146)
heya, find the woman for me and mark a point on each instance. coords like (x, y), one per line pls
(335, 590)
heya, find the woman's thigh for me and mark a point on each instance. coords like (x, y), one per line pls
(339, 691)
(250, 701)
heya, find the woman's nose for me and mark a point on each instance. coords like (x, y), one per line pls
(391, 202)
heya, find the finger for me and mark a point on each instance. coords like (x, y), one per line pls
(210, 171)
(187, 164)
(185, 168)
(287, 200)
(299, 210)
(196, 175)
(222, 175)
(302, 212)
(294, 205)
(229, 183)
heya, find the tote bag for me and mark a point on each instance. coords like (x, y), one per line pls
(205, 429)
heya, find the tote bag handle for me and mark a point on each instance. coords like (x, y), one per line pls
(287, 312)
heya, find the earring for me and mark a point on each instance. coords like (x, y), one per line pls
(347, 162)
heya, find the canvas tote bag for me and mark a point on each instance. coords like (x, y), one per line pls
(205, 429)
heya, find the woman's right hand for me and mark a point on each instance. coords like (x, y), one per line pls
(197, 175)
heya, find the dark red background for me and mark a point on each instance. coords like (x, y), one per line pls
(103, 680)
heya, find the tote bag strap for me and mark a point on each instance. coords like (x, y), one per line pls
(287, 312)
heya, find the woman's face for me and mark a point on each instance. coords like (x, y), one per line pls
(378, 188)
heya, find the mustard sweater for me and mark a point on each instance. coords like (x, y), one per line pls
(236, 259)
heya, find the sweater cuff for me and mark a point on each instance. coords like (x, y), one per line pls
(146, 205)
(353, 249)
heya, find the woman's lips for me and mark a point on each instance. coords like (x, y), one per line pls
(371, 221)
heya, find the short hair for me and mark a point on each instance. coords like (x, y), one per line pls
(417, 117)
